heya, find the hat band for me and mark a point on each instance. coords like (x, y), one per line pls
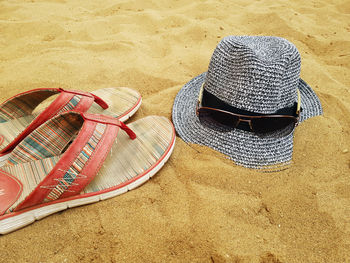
(211, 101)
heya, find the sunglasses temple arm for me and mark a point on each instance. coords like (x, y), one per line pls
(200, 94)
(299, 102)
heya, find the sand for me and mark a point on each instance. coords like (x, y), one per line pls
(200, 207)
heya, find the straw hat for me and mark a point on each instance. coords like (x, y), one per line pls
(258, 74)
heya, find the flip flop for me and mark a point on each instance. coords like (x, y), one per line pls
(19, 115)
(76, 159)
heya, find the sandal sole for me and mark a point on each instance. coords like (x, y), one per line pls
(23, 219)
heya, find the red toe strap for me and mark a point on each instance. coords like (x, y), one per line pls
(97, 99)
(109, 120)
(131, 134)
(100, 101)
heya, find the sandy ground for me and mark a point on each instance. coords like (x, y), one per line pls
(200, 207)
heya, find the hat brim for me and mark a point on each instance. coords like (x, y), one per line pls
(244, 148)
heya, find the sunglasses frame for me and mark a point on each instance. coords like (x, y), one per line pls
(248, 118)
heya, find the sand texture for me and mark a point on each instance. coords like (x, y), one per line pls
(200, 207)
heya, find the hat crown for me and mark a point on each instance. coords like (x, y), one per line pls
(254, 73)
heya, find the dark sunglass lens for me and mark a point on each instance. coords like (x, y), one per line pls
(273, 126)
(217, 120)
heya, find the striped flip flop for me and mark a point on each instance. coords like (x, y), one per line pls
(23, 113)
(76, 159)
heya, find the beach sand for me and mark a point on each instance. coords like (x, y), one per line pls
(200, 207)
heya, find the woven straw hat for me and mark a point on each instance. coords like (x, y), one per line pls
(258, 74)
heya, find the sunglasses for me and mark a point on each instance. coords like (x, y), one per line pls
(263, 126)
